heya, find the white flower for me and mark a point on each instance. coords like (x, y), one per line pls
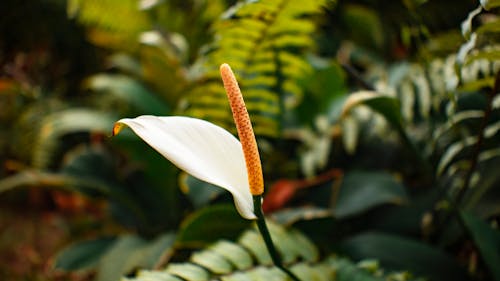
(200, 148)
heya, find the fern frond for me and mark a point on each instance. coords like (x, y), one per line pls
(248, 259)
(264, 42)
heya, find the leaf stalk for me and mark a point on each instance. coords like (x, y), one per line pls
(266, 235)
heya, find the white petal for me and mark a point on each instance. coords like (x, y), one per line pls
(202, 149)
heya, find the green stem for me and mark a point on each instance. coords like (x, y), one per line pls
(266, 235)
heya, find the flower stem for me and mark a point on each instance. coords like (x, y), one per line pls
(266, 235)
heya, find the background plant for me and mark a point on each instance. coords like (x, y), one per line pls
(377, 122)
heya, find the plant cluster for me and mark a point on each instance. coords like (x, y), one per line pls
(377, 124)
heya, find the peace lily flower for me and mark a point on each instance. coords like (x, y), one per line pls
(207, 151)
(214, 155)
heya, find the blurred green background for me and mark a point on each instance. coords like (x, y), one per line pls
(377, 123)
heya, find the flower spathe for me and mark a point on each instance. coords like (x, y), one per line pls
(200, 148)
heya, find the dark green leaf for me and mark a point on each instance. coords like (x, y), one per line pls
(200, 192)
(486, 239)
(210, 224)
(396, 252)
(83, 255)
(364, 24)
(131, 252)
(132, 92)
(62, 123)
(361, 191)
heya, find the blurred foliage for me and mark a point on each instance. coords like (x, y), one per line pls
(378, 124)
(225, 260)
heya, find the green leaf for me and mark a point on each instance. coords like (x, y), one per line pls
(396, 252)
(347, 271)
(199, 192)
(487, 241)
(35, 178)
(252, 240)
(456, 120)
(361, 191)
(209, 224)
(484, 195)
(151, 275)
(364, 24)
(91, 162)
(121, 258)
(212, 261)
(83, 255)
(130, 252)
(65, 122)
(233, 252)
(462, 148)
(129, 90)
(291, 216)
(385, 105)
(188, 271)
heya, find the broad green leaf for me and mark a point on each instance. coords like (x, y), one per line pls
(361, 191)
(131, 91)
(397, 252)
(487, 239)
(121, 258)
(199, 192)
(35, 178)
(83, 255)
(65, 122)
(209, 224)
(364, 24)
(91, 163)
(130, 252)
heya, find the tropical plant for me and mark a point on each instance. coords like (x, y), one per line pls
(377, 124)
